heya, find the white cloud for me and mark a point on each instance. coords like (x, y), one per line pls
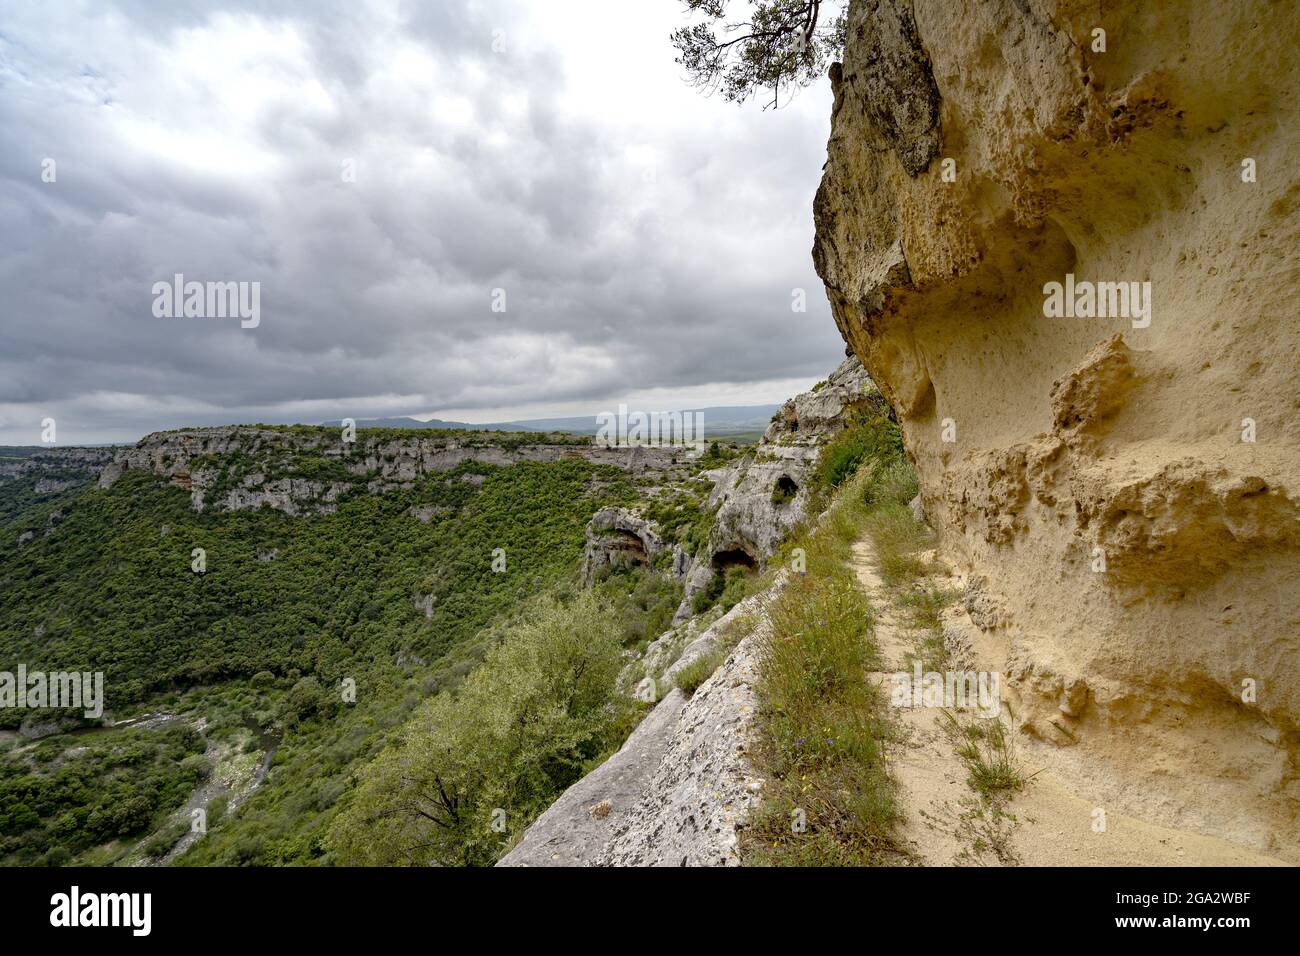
(648, 237)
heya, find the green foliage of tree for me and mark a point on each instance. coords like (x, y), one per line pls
(258, 648)
(477, 765)
(642, 601)
(718, 454)
(23, 508)
(109, 590)
(783, 44)
(74, 792)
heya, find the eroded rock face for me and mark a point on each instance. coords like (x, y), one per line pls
(702, 788)
(810, 417)
(1139, 558)
(577, 827)
(186, 458)
(682, 785)
(618, 538)
(56, 469)
(761, 497)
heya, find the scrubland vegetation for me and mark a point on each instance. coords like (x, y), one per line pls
(475, 765)
(289, 609)
(66, 795)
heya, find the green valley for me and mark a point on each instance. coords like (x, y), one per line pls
(303, 642)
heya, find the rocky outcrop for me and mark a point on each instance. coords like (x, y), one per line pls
(703, 787)
(577, 827)
(676, 649)
(618, 538)
(193, 459)
(764, 495)
(813, 416)
(759, 501)
(681, 786)
(49, 486)
(55, 469)
(761, 497)
(1124, 484)
(293, 496)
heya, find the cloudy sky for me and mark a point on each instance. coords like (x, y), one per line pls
(648, 239)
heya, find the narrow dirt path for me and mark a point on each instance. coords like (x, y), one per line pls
(929, 774)
(1049, 824)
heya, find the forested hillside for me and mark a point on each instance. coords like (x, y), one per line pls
(399, 593)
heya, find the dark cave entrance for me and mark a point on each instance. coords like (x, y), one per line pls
(784, 490)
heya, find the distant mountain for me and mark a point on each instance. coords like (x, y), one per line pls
(719, 421)
(407, 422)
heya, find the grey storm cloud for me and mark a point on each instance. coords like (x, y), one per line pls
(647, 242)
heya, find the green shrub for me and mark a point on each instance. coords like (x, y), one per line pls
(873, 437)
(117, 818)
(690, 677)
(217, 809)
(727, 588)
(158, 845)
(705, 597)
(985, 749)
(783, 491)
(683, 515)
(58, 856)
(643, 602)
(521, 729)
(717, 455)
(196, 766)
(308, 700)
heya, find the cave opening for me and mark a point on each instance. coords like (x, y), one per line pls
(784, 490)
(734, 558)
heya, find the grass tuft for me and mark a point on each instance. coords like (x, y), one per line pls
(898, 537)
(690, 677)
(991, 766)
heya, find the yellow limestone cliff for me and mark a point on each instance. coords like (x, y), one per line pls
(1062, 238)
